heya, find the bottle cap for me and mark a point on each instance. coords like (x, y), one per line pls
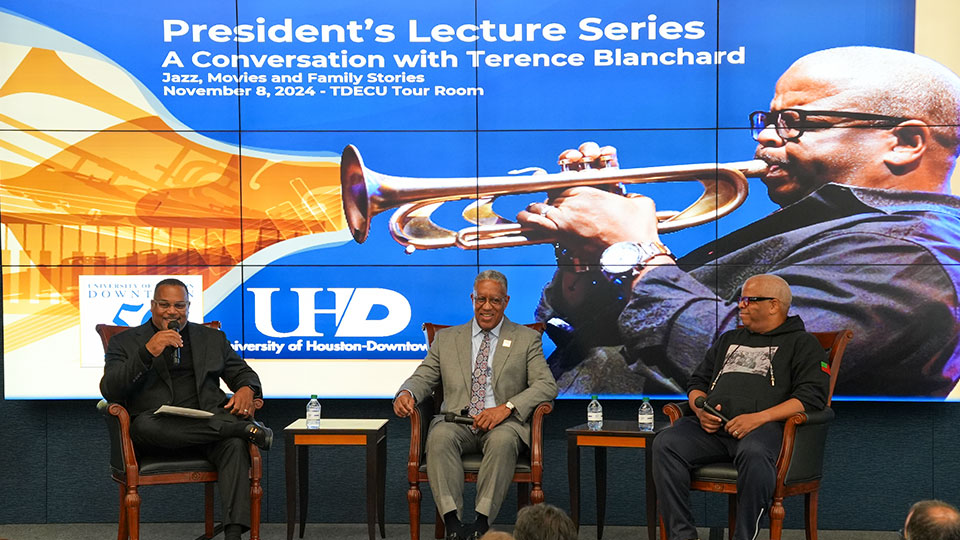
(313, 396)
(594, 396)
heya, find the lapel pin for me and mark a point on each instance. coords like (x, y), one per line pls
(506, 343)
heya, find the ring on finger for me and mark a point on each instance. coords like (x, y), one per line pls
(545, 209)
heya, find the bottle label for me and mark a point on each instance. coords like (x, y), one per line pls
(594, 417)
(645, 418)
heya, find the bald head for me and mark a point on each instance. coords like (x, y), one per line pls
(774, 287)
(892, 83)
(932, 520)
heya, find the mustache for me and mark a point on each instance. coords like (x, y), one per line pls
(771, 160)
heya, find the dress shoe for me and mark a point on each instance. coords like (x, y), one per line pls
(260, 435)
(453, 535)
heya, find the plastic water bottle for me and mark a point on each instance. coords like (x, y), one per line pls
(594, 414)
(645, 416)
(313, 413)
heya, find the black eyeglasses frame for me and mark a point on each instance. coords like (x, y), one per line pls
(756, 127)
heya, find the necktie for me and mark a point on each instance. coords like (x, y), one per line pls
(481, 370)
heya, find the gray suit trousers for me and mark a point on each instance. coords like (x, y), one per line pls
(447, 442)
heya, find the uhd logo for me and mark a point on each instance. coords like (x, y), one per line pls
(350, 310)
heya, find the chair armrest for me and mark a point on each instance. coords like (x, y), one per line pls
(123, 459)
(802, 449)
(256, 458)
(419, 425)
(815, 417)
(536, 439)
(676, 410)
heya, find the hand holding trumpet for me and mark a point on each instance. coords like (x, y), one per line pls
(587, 220)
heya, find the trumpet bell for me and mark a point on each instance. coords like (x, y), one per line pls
(356, 200)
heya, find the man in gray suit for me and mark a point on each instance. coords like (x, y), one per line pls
(496, 369)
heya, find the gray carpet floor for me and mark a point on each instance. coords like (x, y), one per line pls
(334, 531)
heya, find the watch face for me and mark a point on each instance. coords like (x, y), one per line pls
(620, 258)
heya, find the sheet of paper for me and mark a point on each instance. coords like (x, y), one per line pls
(183, 411)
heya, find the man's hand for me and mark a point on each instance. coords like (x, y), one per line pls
(709, 422)
(163, 339)
(740, 426)
(588, 220)
(491, 418)
(241, 403)
(403, 405)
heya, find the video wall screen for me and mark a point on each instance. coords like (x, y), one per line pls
(326, 177)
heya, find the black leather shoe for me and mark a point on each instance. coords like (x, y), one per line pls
(453, 535)
(260, 435)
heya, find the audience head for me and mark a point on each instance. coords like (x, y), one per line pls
(544, 522)
(496, 535)
(932, 520)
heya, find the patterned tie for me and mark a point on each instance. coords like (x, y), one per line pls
(478, 386)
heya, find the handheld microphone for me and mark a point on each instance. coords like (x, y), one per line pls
(462, 418)
(702, 403)
(175, 325)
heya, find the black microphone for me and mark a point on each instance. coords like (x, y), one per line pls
(702, 403)
(462, 418)
(175, 325)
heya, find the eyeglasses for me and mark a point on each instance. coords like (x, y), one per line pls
(791, 123)
(179, 306)
(747, 300)
(902, 537)
(496, 301)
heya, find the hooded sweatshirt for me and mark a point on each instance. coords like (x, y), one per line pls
(747, 372)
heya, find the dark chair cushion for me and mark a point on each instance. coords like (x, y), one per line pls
(471, 464)
(162, 465)
(715, 472)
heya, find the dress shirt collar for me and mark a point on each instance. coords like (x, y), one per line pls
(495, 331)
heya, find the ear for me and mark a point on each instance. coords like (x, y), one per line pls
(908, 146)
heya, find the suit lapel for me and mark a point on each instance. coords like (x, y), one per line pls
(464, 352)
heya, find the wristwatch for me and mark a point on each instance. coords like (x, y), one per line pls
(621, 262)
(510, 406)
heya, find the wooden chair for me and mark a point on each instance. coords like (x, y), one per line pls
(529, 471)
(800, 464)
(131, 471)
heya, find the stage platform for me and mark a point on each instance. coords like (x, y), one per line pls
(347, 531)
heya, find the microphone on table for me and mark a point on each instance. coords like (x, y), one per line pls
(175, 325)
(702, 403)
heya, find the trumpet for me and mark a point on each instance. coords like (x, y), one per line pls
(366, 193)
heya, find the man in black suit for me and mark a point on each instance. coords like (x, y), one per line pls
(154, 364)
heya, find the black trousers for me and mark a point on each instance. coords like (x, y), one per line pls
(679, 449)
(153, 433)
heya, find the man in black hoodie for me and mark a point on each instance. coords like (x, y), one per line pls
(757, 376)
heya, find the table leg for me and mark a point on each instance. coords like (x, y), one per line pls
(303, 475)
(382, 483)
(573, 477)
(290, 473)
(372, 484)
(652, 519)
(600, 465)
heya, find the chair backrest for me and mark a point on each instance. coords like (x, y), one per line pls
(107, 331)
(430, 330)
(834, 343)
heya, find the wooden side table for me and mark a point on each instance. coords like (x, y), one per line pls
(615, 434)
(371, 433)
